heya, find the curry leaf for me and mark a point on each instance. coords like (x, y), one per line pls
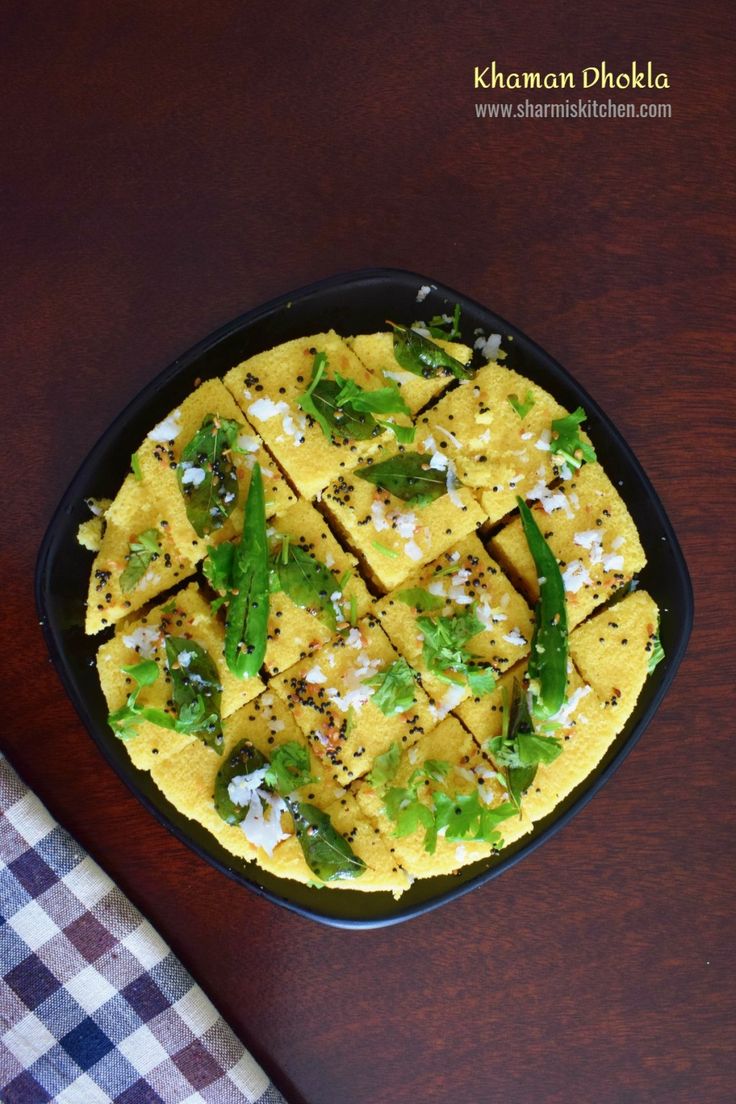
(421, 356)
(407, 476)
(207, 476)
(327, 853)
(242, 761)
(125, 720)
(196, 689)
(309, 583)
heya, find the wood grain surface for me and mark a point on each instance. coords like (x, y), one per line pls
(169, 165)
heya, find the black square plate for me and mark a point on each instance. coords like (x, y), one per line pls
(354, 303)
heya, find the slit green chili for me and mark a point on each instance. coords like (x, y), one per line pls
(246, 631)
(548, 660)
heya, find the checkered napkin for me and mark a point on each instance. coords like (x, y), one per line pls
(94, 1007)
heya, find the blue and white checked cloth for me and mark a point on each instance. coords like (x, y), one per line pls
(94, 1007)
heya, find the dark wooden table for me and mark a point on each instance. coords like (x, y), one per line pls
(169, 165)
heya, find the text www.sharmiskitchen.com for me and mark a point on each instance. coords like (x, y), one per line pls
(573, 109)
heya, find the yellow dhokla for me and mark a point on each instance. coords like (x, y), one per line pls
(492, 448)
(470, 771)
(294, 631)
(377, 353)
(136, 534)
(188, 779)
(590, 531)
(267, 387)
(330, 696)
(584, 726)
(186, 615)
(463, 578)
(613, 649)
(382, 869)
(162, 450)
(393, 536)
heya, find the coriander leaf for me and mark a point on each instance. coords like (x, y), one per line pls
(407, 476)
(343, 407)
(567, 442)
(142, 551)
(309, 583)
(385, 767)
(519, 749)
(125, 720)
(218, 566)
(246, 625)
(417, 354)
(446, 656)
(326, 852)
(548, 661)
(289, 769)
(391, 553)
(383, 400)
(244, 759)
(408, 813)
(196, 690)
(135, 467)
(657, 653)
(207, 476)
(144, 673)
(533, 749)
(464, 817)
(420, 599)
(522, 408)
(404, 434)
(481, 680)
(431, 770)
(306, 401)
(443, 327)
(396, 688)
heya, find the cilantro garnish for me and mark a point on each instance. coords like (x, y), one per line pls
(193, 716)
(522, 408)
(396, 688)
(657, 653)
(567, 442)
(385, 767)
(341, 406)
(421, 599)
(445, 653)
(443, 327)
(142, 551)
(439, 811)
(519, 749)
(289, 768)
